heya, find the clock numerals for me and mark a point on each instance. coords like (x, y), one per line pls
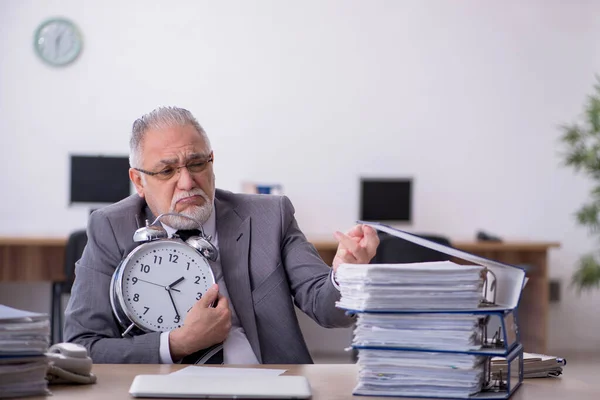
(161, 283)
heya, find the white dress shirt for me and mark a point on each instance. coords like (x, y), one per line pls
(236, 348)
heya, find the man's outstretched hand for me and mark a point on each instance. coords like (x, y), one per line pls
(357, 246)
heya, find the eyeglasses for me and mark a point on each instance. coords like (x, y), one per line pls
(193, 167)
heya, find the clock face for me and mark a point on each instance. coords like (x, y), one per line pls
(160, 281)
(58, 42)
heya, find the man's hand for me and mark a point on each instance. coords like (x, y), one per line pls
(203, 326)
(357, 246)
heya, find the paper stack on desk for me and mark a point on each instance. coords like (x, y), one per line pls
(534, 366)
(397, 326)
(422, 374)
(431, 329)
(24, 338)
(457, 332)
(418, 286)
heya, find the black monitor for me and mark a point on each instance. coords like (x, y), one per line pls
(386, 199)
(99, 179)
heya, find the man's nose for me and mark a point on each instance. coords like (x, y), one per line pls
(185, 180)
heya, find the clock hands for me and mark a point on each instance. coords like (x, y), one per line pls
(156, 284)
(57, 45)
(172, 301)
(169, 288)
(175, 283)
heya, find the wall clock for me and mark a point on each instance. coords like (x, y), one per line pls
(58, 42)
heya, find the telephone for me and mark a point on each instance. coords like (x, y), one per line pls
(69, 363)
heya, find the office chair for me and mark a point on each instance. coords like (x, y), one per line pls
(73, 251)
(394, 250)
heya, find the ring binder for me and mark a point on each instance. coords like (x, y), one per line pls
(487, 291)
(500, 296)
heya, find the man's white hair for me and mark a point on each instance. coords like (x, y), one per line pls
(159, 118)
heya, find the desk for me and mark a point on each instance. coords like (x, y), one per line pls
(533, 310)
(328, 381)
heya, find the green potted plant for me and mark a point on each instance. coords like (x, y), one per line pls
(582, 142)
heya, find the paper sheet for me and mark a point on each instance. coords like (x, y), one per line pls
(9, 314)
(197, 370)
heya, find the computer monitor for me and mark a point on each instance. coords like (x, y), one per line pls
(386, 199)
(99, 179)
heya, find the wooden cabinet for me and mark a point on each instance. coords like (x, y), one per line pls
(31, 259)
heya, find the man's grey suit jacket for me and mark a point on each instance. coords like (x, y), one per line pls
(268, 265)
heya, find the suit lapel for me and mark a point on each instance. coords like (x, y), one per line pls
(234, 248)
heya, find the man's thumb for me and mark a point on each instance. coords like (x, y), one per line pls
(210, 296)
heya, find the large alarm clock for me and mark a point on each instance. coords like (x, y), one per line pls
(158, 282)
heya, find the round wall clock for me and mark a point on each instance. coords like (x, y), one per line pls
(57, 41)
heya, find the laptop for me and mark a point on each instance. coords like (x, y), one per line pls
(250, 387)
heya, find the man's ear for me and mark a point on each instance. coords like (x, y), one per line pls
(136, 178)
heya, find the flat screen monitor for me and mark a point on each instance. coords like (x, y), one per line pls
(99, 179)
(386, 200)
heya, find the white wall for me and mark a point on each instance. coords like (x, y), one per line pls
(465, 96)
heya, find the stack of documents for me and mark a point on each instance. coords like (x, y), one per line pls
(420, 286)
(414, 333)
(422, 374)
(534, 366)
(24, 338)
(453, 332)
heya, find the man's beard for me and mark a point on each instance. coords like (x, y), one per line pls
(198, 214)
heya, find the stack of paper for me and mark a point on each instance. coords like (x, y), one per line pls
(409, 341)
(24, 338)
(456, 332)
(419, 286)
(534, 366)
(422, 374)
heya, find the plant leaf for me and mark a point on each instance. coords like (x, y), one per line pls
(587, 274)
(576, 158)
(572, 134)
(593, 113)
(588, 216)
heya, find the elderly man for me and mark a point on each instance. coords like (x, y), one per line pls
(258, 281)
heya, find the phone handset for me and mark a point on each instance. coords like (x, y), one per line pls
(69, 363)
